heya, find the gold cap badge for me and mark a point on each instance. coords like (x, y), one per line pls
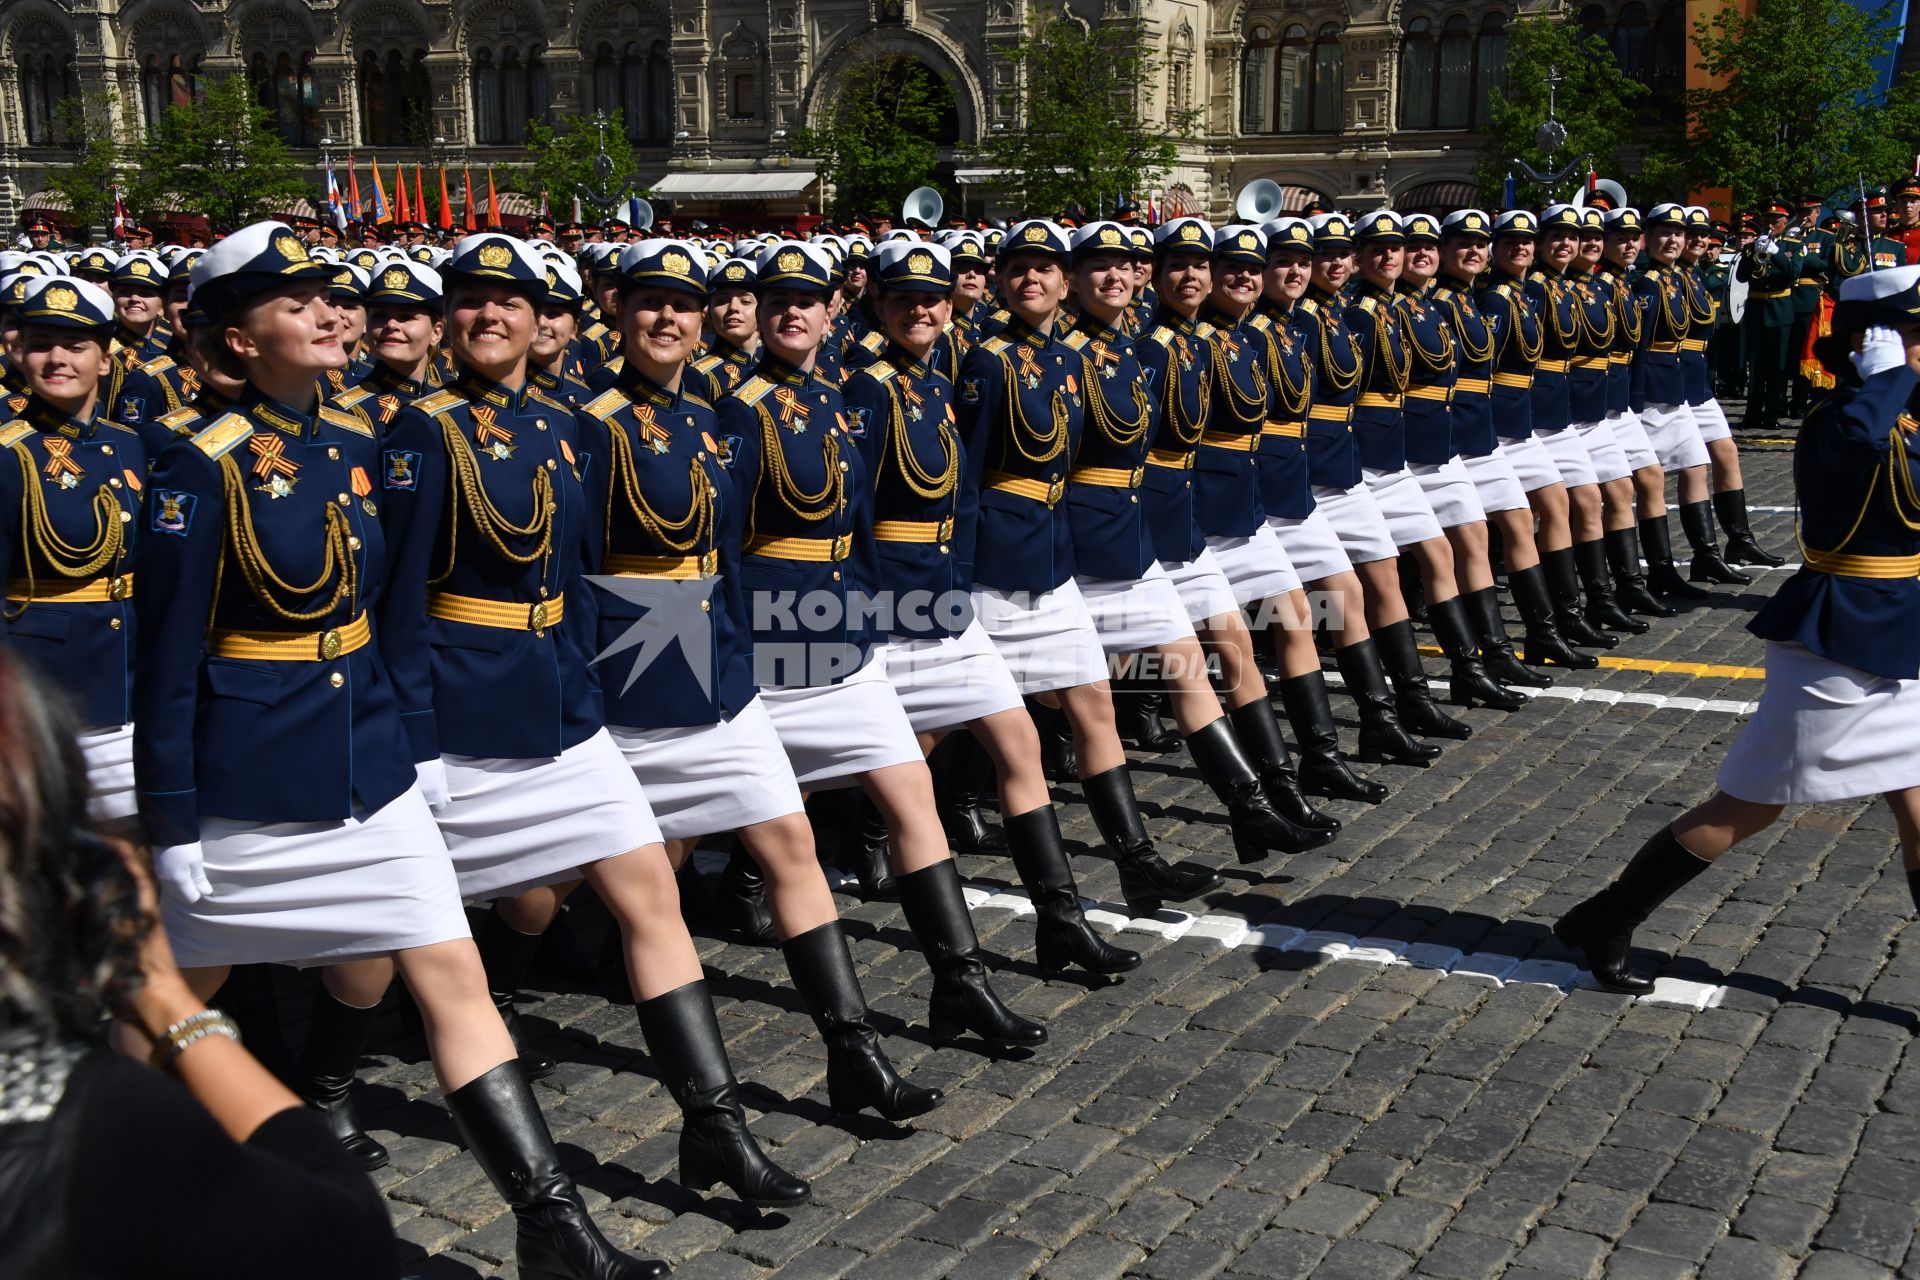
(920, 263)
(495, 255)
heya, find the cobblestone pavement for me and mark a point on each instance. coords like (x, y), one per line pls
(1368, 1061)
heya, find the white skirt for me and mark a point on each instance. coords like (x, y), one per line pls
(1408, 514)
(700, 779)
(301, 892)
(1135, 615)
(833, 733)
(514, 824)
(1675, 436)
(1532, 465)
(1603, 450)
(1494, 482)
(950, 681)
(1449, 492)
(109, 756)
(1046, 638)
(1356, 518)
(1632, 439)
(1570, 456)
(1312, 545)
(1712, 421)
(1824, 731)
(1204, 591)
(1256, 566)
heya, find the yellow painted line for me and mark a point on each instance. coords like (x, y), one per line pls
(1770, 440)
(1696, 670)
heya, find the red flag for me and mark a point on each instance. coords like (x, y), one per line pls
(493, 202)
(471, 214)
(353, 188)
(446, 207)
(402, 211)
(419, 197)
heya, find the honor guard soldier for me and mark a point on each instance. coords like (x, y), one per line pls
(1770, 268)
(1887, 251)
(39, 231)
(733, 343)
(71, 483)
(1905, 228)
(1816, 261)
(405, 327)
(1837, 713)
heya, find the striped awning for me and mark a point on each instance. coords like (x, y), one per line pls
(1437, 197)
(48, 201)
(298, 207)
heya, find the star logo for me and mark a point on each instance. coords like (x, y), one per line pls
(676, 615)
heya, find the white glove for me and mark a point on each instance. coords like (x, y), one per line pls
(432, 777)
(1880, 350)
(180, 869)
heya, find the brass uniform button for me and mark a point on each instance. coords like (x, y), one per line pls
(114, 623)
(836, 575)
(540, 423)
(353, 542)
(114, 481)
(126, 517)
(107, 449)
(706, 606)
(346, 499)
(336, 679)
(333, 453)
(552, 466)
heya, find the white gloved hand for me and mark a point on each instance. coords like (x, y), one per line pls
(1880, 350)
(180, 869)
(432, 777)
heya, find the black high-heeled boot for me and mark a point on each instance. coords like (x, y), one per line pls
(715, 1143)
(1323, 770)
(1731, 507)
(962, 777)
(1544, 644)
(739, 901)
(1381, 736)
(506, 954)
(1147, 880)
(858, 1073)
(1412, 697)
(1601, 928)
(556, 1239)
(1137, 706)
(867, 851)
(336, 1035)
(1590, 560)
(1062, 935)
(1258, 730)
(1413, 589)
(1629, 583)
(962, 1001)
(1663, 575)
(1563, 587)
(1696, 521)
(1496, 648)
(1468, 684)
(1058, 758)
(1257, 828)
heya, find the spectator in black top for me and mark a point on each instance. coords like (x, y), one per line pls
(109, 1168)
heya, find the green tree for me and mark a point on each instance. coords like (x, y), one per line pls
(1085, 137)
(1795, 108)
(218, 157)
(88, 180)
(880, 142)
(567, 156)
(1600, 106)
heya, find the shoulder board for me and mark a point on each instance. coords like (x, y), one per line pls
(14, 432)
(708, 363)
(439, 402)
(1205, 329)
(111, 425)
(694, 397)
(1369, 304)
(352, 396)
(1075, 339)
(615, 365)
(997, 344)
(1260, 322)
(159, 364)
(880, 370)
(224, 436)
(606, 404)
(1000, 315)
(537, 394)
(874, 342)
(595, 329)
(752, 390)
(346, 420)
(1160, 333)
(179, 418)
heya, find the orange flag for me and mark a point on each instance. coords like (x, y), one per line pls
(446, 207)
(419, 197)
(471, 214)
(402, 210)
(493, 202)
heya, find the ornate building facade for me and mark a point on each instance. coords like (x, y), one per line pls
(1359, 101)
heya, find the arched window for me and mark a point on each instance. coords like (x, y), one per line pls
(1329, 80)
(513, 97)
(395, 98)
(1667, 55)
(1453, 85)
(486, 97)
(659, 94)
(1593, 21)
(606, 78)
(1256, 81)
(1293, 87)
(1630, 41)
(1418, 63)
(509, 89)
(539, 88)
(284, 86)
(47, 81)
(169, 80)
(1490, 71)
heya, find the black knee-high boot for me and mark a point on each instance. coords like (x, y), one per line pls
(1137, 707)
(1563, 586)
(1663, 575)
(962, 777)
(1257, 828)
(1382, 737)
(1413, 588)
(1412, 697)
(1731, 507)
(715, 1144)
(1147, 881)
(867, 852)
(1323, 770)
(962, 1001)
(506, 953)
(1629, 583)
(1057, 751)
(336, 1035)
(1601, 928)
(1590, 559)
(858, 1073)
(1544, 643)
(1469, 683)
(1258, 729)
(557, 1240)
(1062, 935)
(1696, 521)
(1496, 647)
(739, 901)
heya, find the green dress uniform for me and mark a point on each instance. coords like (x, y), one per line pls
(1768, 328)
(1816, 248)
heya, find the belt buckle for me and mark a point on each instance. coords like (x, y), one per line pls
(710, 562)
(1139, 474)
(946, 529)
(329, 644)
(537, 617)
(842, 546)
(1054, 489)
(120, 587)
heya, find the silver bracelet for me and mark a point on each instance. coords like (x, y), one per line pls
(191, 1030)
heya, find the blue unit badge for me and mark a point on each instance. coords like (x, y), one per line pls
(172, 511)
(402, 470)
(969, 391)
(857, 421)
(133, 410)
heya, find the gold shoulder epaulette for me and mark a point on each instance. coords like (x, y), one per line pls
(880, 370)
(352, 397)
(606, 404)
(159, 364)
(346, 419)
(595, 329)
(1075, 339)
(111, 425)
(1160, 333)
(224, 436)
(708, 362)
(14, 432)
(997, 344)
(535, 393)
(1205, 329)
(750, 391)
(439, 402)
(179, 419)
(874, 342)
(1260, 322)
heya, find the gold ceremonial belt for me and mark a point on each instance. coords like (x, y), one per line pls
(505, 615)
(1442, 394)
(1808, 280)
(1292, 430)
(1473, 386)
(1592, 362)
(1521, 380)
(71, 590)
(1667, 348)
(1770, 295)
(1175, 459)
(1848, 566)
(1695, 345)
(913, 530)
(810, 550)
(1331, 413)
(1109, 477)
(291, 646)
(1379, 400)
(1620, 357)
(1045, 492)
(1551, 366)
(699, 566)
(1241, 443)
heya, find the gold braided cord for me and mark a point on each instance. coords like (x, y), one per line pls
(1626, 305)
(1519, 312)
(1118, 432)
(467, 486)
(1602, 338)
(1436, 361)
(1339, 378)
(1556, 288)
(259, 574)
(1457, 301)
(1249, 409)
(1294, 397)
(699, 516)
(1187, 427)
(1696, 293)
(1906, 499)
(913, 473)
(37, 532)
(810, 507)
(1678, 322)
(1046, 447)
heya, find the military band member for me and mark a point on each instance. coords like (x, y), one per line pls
(1770, 267)
(1816, 258)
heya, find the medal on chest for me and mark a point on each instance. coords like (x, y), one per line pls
(911, 398)
(61, 468)
(652, 434)
(276, 472)
(1105, 361)
(1029, 371)
(494, 440)
(793, 414)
